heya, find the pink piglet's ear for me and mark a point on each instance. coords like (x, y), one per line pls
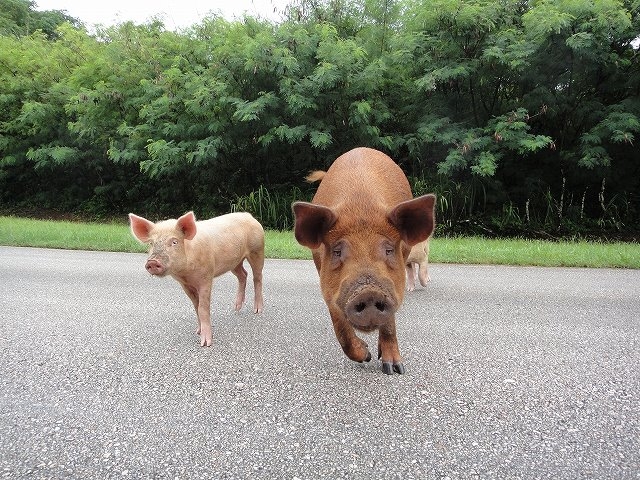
(140, 227)
(187, 223)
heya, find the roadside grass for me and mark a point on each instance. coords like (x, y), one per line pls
(116, 237)
(535, 252)
(23, 232)
(112, 237)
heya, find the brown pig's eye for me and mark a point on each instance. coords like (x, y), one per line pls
(339, 252)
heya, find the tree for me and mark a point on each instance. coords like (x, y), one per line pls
(585, 69)
(18, 18)
(469, 57)
(34, 138)
(521, 115)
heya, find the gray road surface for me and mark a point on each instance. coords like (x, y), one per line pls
(511, 373)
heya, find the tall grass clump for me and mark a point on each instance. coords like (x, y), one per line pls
(478, 206)
(458, 205)
(272, 208)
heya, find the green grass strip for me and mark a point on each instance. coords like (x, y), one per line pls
(535, 252)
(116, 237)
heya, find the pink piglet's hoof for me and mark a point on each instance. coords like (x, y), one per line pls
(206, 339)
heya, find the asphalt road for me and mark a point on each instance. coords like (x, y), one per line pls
(511, 373)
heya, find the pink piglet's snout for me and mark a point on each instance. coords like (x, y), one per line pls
(154, 267)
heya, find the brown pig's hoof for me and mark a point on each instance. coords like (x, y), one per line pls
(388, 368)
(368, 359)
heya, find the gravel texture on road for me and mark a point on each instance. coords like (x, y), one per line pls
(511, 372)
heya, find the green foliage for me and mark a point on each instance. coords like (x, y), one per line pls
(515, 113)
(18, 18)
(271, 208)
(616, 127)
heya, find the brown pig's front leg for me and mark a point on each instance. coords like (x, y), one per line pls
(388, 350)
(354, 347)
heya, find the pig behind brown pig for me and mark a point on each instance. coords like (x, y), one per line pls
(194, 253)
(419, 256)
(360, 227)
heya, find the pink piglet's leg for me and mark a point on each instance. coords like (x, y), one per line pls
(204, 315)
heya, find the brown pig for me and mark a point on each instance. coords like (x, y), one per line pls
(194, 253)
(360, 227)
(419, 255)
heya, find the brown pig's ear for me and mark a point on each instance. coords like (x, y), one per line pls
(414, 219)
(140, 227)
(312, 223)
(187, 223)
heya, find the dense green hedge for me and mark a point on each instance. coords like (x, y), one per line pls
(522, 116)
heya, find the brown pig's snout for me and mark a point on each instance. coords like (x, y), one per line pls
(154, 267)
(369, 308)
